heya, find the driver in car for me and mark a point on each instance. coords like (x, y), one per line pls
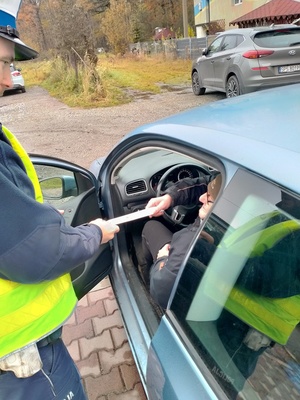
(165, 250)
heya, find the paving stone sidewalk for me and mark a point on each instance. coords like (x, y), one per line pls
(96, 340)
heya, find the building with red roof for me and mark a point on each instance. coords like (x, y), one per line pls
(212, 16)
(273, 12)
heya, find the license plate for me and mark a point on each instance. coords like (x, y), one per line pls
(289, 68)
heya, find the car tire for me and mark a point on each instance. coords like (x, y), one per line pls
(196, 84)
(232, 87)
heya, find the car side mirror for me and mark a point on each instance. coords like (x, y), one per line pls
(56, 188)
(205, 51)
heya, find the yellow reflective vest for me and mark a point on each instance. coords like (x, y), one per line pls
(274, 317)
(30, 312)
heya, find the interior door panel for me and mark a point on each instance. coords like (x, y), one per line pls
(80, 205)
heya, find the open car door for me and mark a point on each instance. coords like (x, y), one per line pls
(74, 191)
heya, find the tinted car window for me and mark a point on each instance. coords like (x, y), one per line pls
(280, 38)
(215, 46)
(230, 42)
(238, 300)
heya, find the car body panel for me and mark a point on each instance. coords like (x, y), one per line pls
(174, 375)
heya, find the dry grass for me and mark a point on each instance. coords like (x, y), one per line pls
(115, 75)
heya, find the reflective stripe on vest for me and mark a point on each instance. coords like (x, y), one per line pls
(29, 312)
(27, 163)
(276, 318)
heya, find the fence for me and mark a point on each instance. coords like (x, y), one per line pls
(188, 48)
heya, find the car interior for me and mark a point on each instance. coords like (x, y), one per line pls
(133, 180)
(146, 174)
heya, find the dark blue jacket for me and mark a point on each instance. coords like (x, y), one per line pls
(35, 242)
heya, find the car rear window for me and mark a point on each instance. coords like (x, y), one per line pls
(278, 38)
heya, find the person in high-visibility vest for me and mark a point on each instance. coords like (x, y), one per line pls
(37, 252)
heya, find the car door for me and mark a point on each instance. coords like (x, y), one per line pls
(75, 191)
(203, 347)
(224, 58)
(206, 63)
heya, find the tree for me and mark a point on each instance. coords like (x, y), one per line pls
(30, 25)
(69, 30)
(117, 25)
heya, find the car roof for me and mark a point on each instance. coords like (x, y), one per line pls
(260, 131)
(259, 29)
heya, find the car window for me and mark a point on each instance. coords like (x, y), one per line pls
(230, 42)
(215, 46)
(237, 300)
(239, 39)
(278, 38)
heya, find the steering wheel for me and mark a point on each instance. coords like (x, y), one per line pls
(176, 215)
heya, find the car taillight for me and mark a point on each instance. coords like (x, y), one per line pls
(254, 54)
(16, 73)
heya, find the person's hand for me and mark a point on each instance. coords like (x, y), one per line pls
(164, 251)
(107, 228)
(161, 203)
(206, 236)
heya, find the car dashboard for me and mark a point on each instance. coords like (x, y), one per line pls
(136, 179)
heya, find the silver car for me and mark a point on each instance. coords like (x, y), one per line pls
(245, 60)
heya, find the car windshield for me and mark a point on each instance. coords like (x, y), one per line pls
(278, 38)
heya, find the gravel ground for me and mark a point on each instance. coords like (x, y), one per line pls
(46, 126)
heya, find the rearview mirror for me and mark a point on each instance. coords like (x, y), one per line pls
(56, 188)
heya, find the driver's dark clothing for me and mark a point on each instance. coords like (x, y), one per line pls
(155, 235)
(164, 270)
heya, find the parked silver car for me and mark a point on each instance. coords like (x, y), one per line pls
(245, 60)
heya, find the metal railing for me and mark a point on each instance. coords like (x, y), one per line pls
(188, 48)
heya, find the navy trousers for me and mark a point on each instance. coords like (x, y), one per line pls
(58, 380)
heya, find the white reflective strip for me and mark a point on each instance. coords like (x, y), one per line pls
(133, 216)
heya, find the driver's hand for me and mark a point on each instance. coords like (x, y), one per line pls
(107, 228)
(164, 251)
(161, 203)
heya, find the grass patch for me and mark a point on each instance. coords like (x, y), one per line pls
(115, 74)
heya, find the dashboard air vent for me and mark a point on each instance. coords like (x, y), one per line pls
(136, 187)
